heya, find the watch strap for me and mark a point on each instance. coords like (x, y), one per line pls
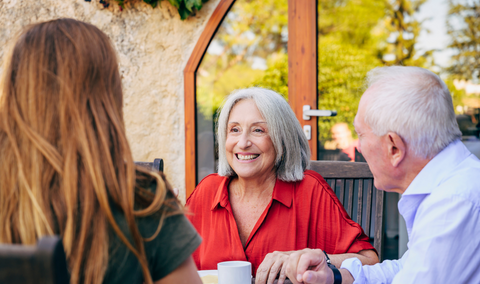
(327, 258)
(337, 276)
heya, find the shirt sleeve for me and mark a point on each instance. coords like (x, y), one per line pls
(380, 273)
(444, 243)
(176, 241)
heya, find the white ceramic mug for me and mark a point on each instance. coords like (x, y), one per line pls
(234, 272)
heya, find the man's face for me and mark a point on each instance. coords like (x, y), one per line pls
(342, 135)
(373, 148)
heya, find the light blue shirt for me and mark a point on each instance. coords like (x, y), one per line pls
(441, 208)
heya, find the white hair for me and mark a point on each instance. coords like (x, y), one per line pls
(414, 103)
(291, 145)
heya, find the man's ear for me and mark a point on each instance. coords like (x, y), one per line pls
(396, 148)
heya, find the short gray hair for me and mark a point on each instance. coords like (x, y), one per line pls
(289, 141)
(414, 103)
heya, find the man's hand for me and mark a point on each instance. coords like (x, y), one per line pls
(309, 266)
(272, 265)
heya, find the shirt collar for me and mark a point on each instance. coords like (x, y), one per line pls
(437, 169)
(221, 197)
(282, 192)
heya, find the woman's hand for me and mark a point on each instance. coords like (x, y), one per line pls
(272, 265)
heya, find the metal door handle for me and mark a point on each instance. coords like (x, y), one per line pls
(308, 112)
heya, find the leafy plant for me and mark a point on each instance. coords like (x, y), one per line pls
(185, 8)
(464, 29)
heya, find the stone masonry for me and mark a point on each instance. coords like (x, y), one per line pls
(153, 48)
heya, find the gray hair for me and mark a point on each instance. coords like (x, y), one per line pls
(289, 141)
(414, 103)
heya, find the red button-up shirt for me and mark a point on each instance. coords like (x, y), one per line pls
(303, 214)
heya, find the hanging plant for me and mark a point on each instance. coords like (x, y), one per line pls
(185, 8)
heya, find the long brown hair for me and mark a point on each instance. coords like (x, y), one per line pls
(64, 155)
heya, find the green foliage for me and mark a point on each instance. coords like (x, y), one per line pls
(464, 30)
(457, 95)
(341, 76)
(350, 36)
(185, 8)
(353, 22)
(251, 30)
(212, 91)
(403, 30)
(276, 76)
(352, 41)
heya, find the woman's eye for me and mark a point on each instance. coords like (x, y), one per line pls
(258, 130)
(234, 129)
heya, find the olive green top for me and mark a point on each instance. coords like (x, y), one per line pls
(176, 241)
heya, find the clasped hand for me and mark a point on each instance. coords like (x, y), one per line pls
(306, 266)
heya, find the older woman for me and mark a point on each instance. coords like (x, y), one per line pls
(263, 199)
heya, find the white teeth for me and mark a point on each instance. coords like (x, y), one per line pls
(247, 157)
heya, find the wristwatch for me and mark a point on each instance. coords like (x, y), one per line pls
(337, 277)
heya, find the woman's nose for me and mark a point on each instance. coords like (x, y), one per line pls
(244, 141)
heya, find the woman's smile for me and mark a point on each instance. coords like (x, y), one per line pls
(245, 157)
(249, 148)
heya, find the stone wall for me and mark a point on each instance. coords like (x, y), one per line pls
(153, 46)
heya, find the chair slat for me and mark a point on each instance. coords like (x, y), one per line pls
(331, 183)
(360, 201)
(378, 235)
(341, 194)
(368, 209)
(349, 187)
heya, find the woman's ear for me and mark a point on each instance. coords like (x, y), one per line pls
(396, 148)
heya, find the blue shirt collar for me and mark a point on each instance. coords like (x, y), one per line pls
(436, 170)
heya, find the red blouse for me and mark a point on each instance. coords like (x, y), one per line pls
(303, 214)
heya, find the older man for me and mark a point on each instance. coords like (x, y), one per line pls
(409, 136)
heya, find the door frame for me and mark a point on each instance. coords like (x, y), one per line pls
(302, 73)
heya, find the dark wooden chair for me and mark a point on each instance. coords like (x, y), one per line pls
(44, 263)
(332, 155)
(157, 165)
(353, 185)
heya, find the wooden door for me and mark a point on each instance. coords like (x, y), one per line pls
(302, 64)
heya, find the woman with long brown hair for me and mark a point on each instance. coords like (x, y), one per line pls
(66, 167)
